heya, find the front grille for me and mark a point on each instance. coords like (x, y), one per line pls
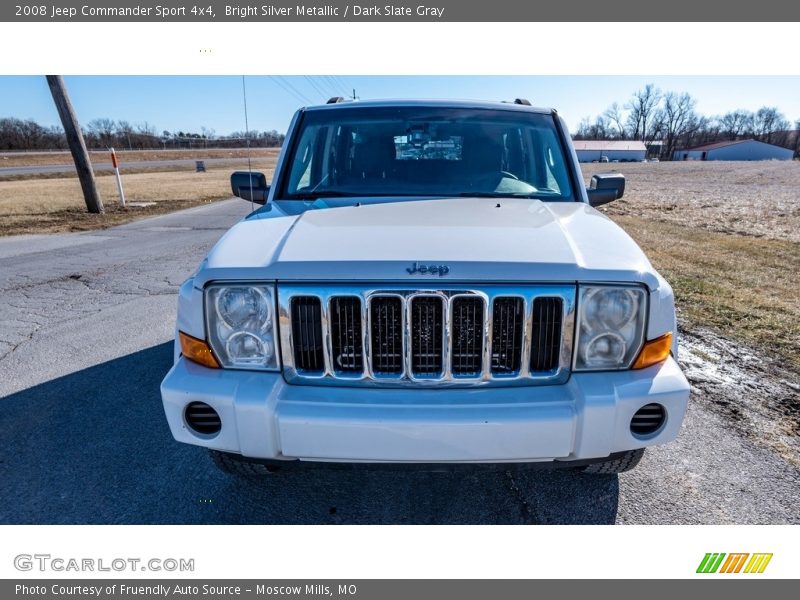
(386, 319)
(498, 335)
(507, 335)
(466, 357)
(546, 338)
(307, 333)
(346, 340)
(427, 336)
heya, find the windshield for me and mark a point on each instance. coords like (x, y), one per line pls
(425, 151)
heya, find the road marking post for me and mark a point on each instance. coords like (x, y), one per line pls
(115, 164)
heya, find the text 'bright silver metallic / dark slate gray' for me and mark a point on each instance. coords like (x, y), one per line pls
(403, 11)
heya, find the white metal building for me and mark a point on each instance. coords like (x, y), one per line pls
(621, 150)
(735, 150)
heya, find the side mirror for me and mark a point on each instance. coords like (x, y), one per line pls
(606, 188)
(250, 186)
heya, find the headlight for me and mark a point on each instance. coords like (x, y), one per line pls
(610, 326)
(241, 327)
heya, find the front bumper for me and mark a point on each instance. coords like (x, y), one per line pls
(264, 417)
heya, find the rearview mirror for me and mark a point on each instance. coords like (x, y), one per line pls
(605, 188)
(250, 186)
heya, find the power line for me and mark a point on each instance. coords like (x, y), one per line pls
(296, 91)
(331, 85)
(280, 84)
(293, 92)
(316, 87)
(343, 84)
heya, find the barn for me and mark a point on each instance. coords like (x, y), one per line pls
(621, 150)
(735, 150)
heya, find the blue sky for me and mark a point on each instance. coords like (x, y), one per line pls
(188, 103)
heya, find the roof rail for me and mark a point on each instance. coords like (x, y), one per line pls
(523, 101)
(335, 100)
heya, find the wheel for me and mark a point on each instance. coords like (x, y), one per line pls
(233, 464)
(619, 464)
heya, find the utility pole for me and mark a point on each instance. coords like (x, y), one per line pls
(76, 143)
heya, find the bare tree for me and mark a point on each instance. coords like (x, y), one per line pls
(593, 130)
(797, 139)
(582, 132)
(124, 132)
(655, 130)
(103, 131)
(18, 134)
(678, 118)
(736, 123)
(768, 122)
(642, 106)
(614, 115)
(146, 128)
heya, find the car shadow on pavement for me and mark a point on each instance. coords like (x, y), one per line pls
(94, 447)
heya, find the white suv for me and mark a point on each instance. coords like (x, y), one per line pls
(427, 282)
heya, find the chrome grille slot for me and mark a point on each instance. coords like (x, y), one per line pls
(431, 334)
(467, 326)
(427, 336)
(546, 335)
(507, 327)
(386, 335)
(347, 343)
(307, 334)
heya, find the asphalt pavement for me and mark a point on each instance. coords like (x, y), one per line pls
(86, 323)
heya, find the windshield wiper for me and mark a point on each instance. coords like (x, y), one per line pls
(325, 194)
(478, 195)
(495, 195)
(344, 194)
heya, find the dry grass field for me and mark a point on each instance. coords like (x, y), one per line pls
(727, 237)
(56, 204)
(756, 199)
(30, 159)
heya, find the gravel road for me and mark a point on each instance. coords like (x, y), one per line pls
(85, 338)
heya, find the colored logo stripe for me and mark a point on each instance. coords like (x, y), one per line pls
(758, 563)
(710, 563)
(733, 564)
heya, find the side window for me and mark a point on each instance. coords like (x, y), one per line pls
(557, 176)
(550, 161)
(300, 175)
(549, 166)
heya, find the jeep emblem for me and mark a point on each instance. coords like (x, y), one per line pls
(440, 270)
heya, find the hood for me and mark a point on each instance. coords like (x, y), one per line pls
(476, 239)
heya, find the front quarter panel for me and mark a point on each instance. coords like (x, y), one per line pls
(190, 311)
(662, 313)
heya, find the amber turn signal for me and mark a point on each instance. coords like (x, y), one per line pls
(197, 351)
(654, 352)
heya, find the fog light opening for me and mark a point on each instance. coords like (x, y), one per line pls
(202, 418)
(648, 420)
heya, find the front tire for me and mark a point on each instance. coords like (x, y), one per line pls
(619, 464)
(234, 464)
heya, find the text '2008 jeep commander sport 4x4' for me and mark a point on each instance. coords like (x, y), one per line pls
(427, 282)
